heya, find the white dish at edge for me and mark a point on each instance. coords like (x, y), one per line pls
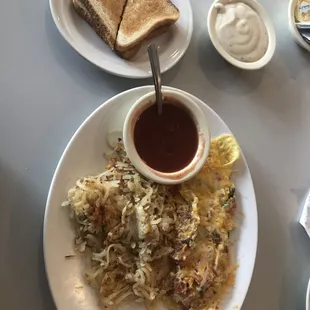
(258, 8)
(308, 297)
(293, 29)
(172, 44)
(84, 156)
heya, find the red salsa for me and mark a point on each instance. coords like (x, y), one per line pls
(166, 142)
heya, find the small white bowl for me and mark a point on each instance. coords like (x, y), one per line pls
(203, 143)
(292, 26)
(270, 31)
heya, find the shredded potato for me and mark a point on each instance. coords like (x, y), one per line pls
(150, 241)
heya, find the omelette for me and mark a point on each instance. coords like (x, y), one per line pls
(201, 279)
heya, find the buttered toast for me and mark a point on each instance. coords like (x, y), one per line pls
(124, 24)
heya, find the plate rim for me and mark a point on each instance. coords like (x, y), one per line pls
(76, 133)
(308, 297)
(145, 75)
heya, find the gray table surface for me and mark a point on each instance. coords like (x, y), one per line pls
(47, 90)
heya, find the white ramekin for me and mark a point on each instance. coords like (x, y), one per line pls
(203, 144)
(292, 26)
(270, 31)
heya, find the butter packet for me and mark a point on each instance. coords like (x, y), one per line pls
(302, 11)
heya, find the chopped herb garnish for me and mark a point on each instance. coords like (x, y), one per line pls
(232, 192)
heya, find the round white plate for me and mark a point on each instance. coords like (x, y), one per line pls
(172, 44)
(84, 156)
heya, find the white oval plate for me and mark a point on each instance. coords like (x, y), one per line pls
(172, 44)
(84, 156)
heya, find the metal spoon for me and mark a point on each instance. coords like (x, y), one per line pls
(306, 36)
(304, 26)
(155, 66)
(304, 30)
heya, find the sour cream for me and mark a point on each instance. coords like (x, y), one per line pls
(241, 31)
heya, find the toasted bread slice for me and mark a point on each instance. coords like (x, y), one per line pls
(134, 50)
(104, 16)
(141, 18)
(129, 53)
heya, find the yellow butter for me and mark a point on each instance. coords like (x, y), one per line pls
(226, 149)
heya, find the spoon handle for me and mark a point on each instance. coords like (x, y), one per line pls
(155, 66)
(305, 26)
